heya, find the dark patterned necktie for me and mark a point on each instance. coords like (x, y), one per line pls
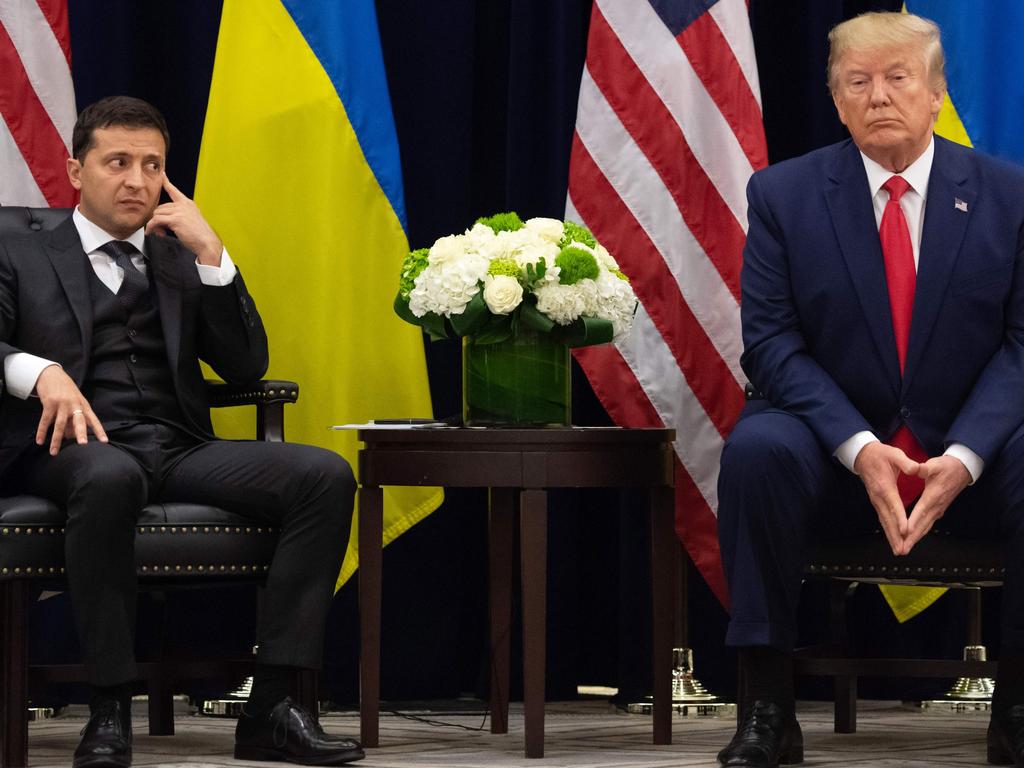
(134, 284)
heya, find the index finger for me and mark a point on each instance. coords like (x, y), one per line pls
(173, 192)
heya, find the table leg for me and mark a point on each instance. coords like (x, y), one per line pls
(501, 533)
(533, 521)
(664, 604)
(371, 523)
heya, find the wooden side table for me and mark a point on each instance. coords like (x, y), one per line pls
(518, 466)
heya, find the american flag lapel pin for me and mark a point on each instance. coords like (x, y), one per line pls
(960, 205)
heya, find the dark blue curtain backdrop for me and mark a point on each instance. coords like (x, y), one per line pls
(484, 97)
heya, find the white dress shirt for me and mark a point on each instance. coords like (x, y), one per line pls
(21, 369)
(912, 202)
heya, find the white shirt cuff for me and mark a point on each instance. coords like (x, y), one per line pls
(21, 371)
(219, 276)
(974, 463)
(849, 449)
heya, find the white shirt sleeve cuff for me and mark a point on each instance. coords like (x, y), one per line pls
(974, 463)
(848, 450)
(21, 371)
(218, 276)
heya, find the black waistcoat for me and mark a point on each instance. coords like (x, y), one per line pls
(129, 380)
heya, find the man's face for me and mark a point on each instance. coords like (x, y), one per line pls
(884, 99)
(120, 178)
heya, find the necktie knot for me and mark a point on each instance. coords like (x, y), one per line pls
(134, 284)
(896, 186)
(119, 249)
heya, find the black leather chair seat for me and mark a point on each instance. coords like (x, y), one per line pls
(940, 559)
(172, 540)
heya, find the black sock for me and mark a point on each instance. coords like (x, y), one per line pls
(767, 676)
(270, 684)
(1009, 680)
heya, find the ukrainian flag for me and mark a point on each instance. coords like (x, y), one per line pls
(299, 174)
(984, 108)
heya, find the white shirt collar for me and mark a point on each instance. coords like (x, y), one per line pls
(93, 237)
(916, 174)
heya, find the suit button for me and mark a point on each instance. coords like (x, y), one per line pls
(132, 333)
(904, 412)
(133, 358)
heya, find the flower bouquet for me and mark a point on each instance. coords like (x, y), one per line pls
(519, 294)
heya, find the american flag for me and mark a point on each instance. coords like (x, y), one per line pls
(37, 103)
(668, 131)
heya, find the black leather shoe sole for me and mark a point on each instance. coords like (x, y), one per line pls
(103, 761)
(340, 757)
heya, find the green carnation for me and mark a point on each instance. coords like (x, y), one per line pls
(575, 264)
(502, 222)
(577, 232)
(505, 267)
(413, 264)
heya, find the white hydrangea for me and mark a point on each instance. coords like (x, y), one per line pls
(615, 302)
(562, 303)
(447, 286)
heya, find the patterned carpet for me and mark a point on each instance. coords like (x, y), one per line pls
(582, 733)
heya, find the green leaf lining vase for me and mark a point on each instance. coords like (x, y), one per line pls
(522, 381)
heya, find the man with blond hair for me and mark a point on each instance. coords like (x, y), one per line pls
(883, 329)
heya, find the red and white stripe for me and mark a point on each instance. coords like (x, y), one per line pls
(37, 103)
(668, 131)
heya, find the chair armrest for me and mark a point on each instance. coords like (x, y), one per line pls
(269, 397)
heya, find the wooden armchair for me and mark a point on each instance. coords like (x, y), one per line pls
(940, 559)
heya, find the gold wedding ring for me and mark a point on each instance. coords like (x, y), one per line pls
(76, 411)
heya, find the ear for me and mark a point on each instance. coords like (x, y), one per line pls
(936, 103)
(75, 173)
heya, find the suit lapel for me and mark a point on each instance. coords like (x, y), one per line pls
(951, 197)
(64, 249)
(849, 205)
(162, 264)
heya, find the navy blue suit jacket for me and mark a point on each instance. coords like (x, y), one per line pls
(817, 330)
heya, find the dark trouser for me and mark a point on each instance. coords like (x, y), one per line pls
(306, 491)
(778, 488)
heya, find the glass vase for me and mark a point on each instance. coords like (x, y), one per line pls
(522, 381)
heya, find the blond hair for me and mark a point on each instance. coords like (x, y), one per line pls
(879, 29)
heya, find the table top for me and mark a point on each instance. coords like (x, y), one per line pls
(559, 457)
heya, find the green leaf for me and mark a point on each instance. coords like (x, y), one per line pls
(472, 318)
(584, 332)
(431, 322)
(531, 317)
(498, 328)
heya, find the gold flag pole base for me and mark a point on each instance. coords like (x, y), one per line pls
(968, 694)
(231, 705)
(689, 697)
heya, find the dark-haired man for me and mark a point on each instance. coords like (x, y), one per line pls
(103, 322)
(883, 326)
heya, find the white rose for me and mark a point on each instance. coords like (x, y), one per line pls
(502, 293)
(549, 229)
(446, 249)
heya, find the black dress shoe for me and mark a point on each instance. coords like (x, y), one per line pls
(1006, 737)
(106, 738)
(290, 733)
(766, 736)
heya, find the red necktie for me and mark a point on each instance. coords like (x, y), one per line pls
(901, 276)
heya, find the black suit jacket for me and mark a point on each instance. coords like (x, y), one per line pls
(46, 310)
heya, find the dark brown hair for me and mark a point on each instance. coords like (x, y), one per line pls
(119, 111)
